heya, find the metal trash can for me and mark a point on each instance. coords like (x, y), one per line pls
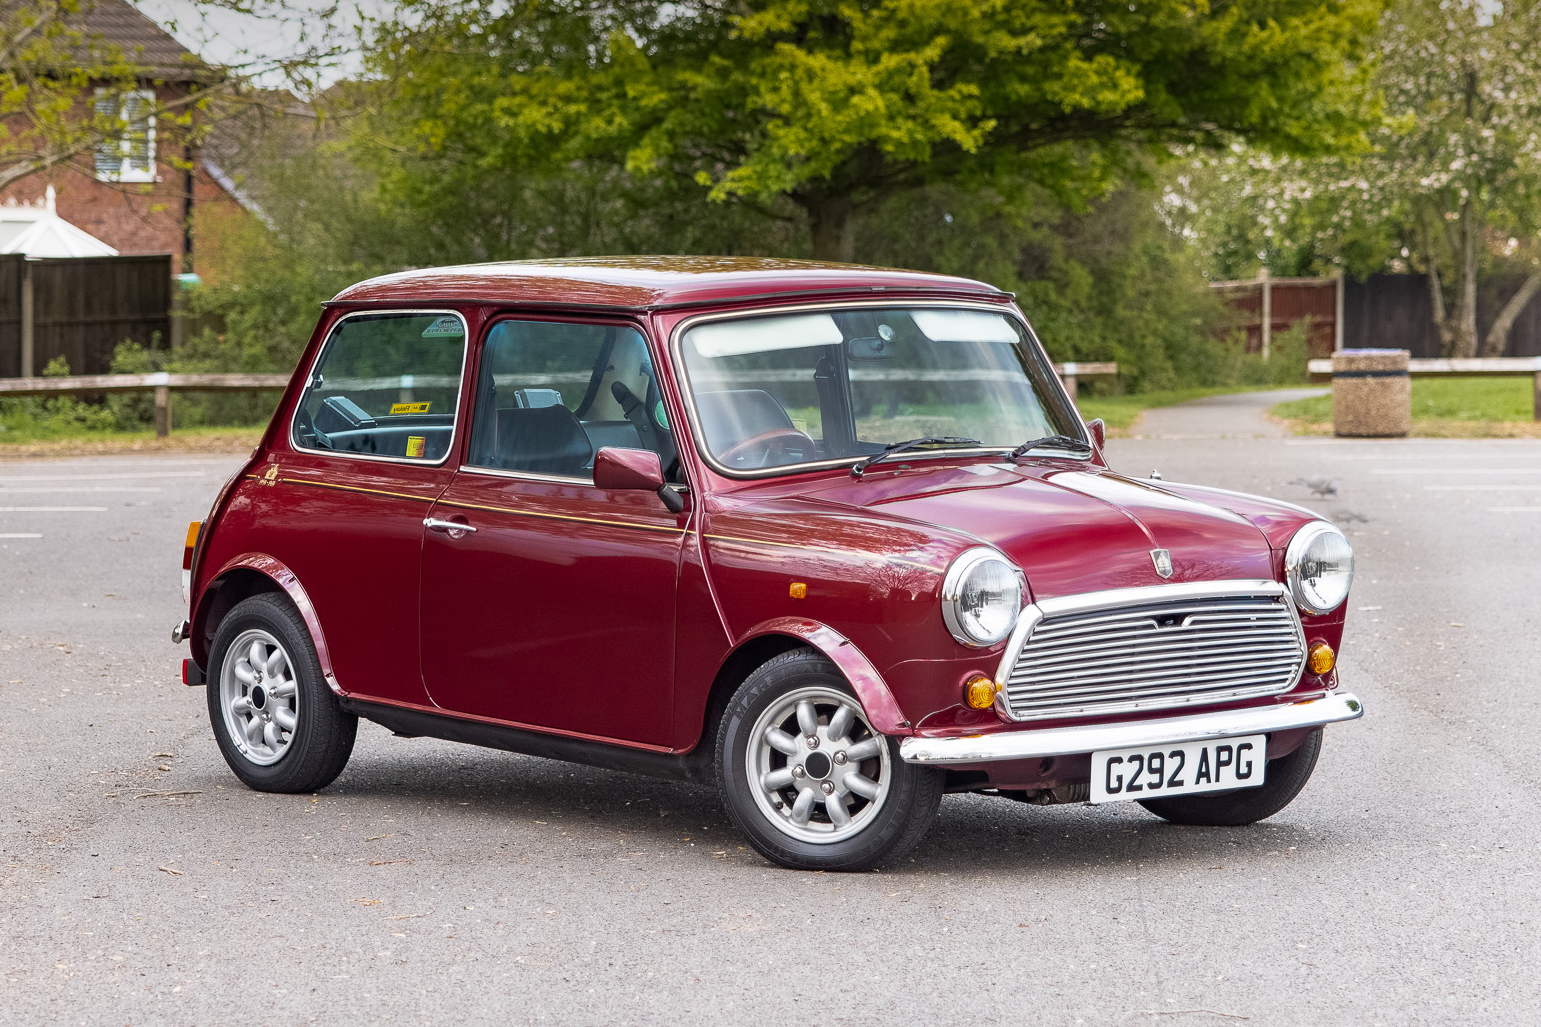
(1371, 393)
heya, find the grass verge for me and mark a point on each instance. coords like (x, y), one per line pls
(93, 443)
(1443, 408)
(1120, 412)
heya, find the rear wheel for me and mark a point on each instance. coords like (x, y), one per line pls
(278, 725)
(806, 778)
(1282, 781)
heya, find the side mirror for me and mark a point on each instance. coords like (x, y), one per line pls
(1099, 432)
(637, 470)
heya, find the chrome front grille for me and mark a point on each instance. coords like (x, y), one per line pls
(1152, 648)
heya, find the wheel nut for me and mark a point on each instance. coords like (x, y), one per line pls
(812, 741)
(799, 772)
(839, 759)
(828, 788)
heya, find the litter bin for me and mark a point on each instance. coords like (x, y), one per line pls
(1371, 393)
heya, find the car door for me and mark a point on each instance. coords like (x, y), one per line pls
(549, 603)
(370, 440)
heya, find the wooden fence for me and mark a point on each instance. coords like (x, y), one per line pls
(1266, 306)
(80, 308)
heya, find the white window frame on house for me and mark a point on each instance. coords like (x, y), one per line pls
(133, 164)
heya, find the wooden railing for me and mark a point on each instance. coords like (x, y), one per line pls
(1473, 367)
(161, 381)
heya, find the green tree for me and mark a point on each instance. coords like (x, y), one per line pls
(830, 109)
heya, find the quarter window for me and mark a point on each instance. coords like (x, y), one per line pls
(386, 385)
(550, 395)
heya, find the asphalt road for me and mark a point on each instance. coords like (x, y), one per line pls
(434, 883)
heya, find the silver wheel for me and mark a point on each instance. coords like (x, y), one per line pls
(259, 697)
(817, 770)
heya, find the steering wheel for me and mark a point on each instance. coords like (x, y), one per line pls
(777, 440)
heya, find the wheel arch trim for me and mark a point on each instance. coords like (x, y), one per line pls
(288, 583)
(877, 700)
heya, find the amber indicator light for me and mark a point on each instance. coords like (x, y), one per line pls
(799, 590)
(192, 542)
(1321, 658)
(979, 692)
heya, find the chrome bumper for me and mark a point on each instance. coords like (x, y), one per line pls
(1065, 741)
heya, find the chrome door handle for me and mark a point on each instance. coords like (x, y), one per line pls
(434, 524)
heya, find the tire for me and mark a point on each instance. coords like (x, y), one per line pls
(291, 736)
(1283, 780)
(795, 819)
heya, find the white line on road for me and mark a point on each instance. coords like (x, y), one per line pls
(53, 509)
(1457, 470)
(1514, 509)
(102, 477)
(1482, 488)
(83, 488)
(19, 534)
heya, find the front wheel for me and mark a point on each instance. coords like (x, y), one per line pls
(1282, 781)
(806, 778)
(278, 725)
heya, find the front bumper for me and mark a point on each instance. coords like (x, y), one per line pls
(1066, 741)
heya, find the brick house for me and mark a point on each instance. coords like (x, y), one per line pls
(141, 193)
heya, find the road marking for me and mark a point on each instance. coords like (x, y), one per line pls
(19, 534)
(53, 509)
(1514, 509)
(1457, 470)
(102, 477)
(1482, 488)
(83, 488)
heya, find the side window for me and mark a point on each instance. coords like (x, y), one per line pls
(386, 385)
(550, 395)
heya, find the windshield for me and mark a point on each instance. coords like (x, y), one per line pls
(789, 389)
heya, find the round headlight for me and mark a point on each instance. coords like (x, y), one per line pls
(981, 597)
(1319, 565)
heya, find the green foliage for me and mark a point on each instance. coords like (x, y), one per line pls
(1454, 399)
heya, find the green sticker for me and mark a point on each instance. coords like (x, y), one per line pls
(659, 416)
(446, 325)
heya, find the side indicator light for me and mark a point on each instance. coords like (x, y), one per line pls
(799, 590)
(1321, 658)
(191, 544)
(979, 692)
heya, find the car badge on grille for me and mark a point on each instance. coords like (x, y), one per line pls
(1163, 561)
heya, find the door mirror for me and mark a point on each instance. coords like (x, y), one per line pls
(635, 469)
(1099, 432)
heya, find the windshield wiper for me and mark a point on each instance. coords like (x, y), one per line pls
(1049, 442)
(889, 450)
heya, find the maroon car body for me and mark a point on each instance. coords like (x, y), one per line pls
(422, 583)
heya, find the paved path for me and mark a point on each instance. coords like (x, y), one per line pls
(1237, 416)
(434, 884)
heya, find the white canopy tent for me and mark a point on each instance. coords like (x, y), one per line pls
(38, 232)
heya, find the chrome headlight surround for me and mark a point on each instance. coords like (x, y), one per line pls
(981, 597)
(1319, 567)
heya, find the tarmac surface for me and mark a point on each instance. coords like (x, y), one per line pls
(140, 883)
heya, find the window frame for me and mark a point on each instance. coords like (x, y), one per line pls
(545, 318)
(1036, 354)
(460, 392)
(121, 176)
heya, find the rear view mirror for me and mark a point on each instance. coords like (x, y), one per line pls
(634, 469)
(873, 348)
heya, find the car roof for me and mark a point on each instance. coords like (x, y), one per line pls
(649, 283)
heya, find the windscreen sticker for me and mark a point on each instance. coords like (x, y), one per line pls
(411, 408)
(659, 416)
(445, 325)
(415, 445)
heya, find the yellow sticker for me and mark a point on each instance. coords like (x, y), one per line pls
(410, 408)
(415, 444)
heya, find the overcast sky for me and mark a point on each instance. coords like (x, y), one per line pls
(225, 37)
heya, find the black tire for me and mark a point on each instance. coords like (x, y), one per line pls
(318, 748)
(1284, 779)
(892, 827)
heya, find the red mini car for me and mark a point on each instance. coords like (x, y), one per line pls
(832, 537)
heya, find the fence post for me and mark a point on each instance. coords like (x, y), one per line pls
(1337, 314)
(1535, 407)
(1262, 277)
(161, 381)
(28, 338)
(1068, 377)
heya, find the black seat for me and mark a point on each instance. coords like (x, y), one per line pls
(544, 440)
(733, 415)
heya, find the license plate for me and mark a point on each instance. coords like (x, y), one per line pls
(1157, 771)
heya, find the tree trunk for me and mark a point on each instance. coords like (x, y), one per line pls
(1465, 326)
(834, 229)
(1498, 336)
(1437, 305)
